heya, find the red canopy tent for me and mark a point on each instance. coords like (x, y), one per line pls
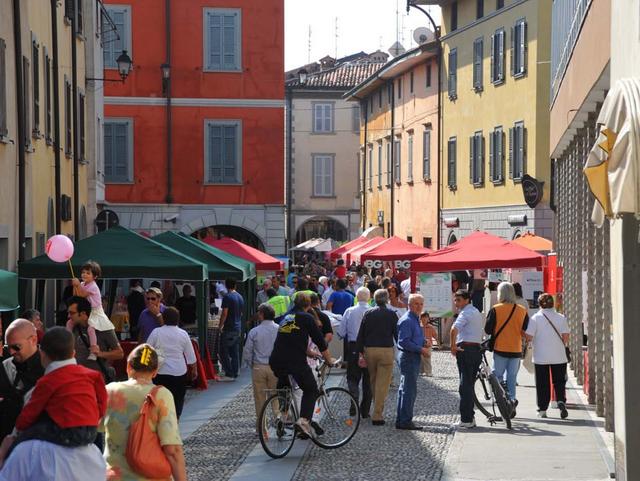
(354, 253)
(263, 261)
(394, 249)
(337, 252)
(478, 251)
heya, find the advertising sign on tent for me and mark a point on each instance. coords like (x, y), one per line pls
(436, 289)
(532, 283)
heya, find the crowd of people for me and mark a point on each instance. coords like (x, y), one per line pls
(59, 399)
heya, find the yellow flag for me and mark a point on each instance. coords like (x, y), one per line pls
(597, 175)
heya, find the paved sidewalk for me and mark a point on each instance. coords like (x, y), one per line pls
(549, 449)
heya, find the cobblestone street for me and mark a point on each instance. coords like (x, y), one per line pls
(220, 446)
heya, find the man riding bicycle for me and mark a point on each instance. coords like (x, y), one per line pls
(289, 356)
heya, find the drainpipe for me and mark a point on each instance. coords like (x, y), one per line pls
(22, 131)
(289, 199)
(167, 34)
(393, 152)
(56, 113)
(440, 144)
(76, 148)
(364, 167)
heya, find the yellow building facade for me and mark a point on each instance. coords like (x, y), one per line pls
(398, 153)
(38, 68)
(495, 109)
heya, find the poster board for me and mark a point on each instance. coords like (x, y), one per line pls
(436, 289)
(532, 283)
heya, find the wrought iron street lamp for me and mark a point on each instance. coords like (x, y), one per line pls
(124, 64)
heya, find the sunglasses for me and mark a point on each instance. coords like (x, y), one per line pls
(16, 347)
(152, 298)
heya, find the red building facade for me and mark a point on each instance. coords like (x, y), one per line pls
(194, 137)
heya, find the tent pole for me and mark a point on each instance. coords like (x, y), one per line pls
(203, 318)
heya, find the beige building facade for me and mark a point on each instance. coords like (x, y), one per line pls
(399, 147)
(322, 150)
(55, 188)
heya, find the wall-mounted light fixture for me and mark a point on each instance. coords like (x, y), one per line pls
(124, 64)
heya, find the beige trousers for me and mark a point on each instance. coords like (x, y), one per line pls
(262, 378)
(425, 364)
(380, 365)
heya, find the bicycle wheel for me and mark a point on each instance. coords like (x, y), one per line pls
(338, 414)
(482, 396)
(501, 400)
(277, 425)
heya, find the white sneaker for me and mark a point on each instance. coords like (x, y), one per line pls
(542, 414)
(92, 357)
(305, 427)
(470, 425)
(226, 379)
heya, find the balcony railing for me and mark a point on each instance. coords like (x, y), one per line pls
(567, 19)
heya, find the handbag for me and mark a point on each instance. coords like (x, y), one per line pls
(491, 342)
(527, 358)
(362, 362)
(144, 453)
(567, 351)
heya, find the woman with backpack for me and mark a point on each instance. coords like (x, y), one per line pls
(506, 323)
(141, 427)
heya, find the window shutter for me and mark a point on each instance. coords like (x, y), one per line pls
(514, 57)
(493, 58)
(3, 89)
(492, 145)
(501, 55)
(121, 152)
(229, 41)
(523, 163)
(426, 155)
(317, 176)
(69, 8)
(523, 48)
(471, 158)
(410, 159)
(481, 157)
(26, 101)
(215, 41)
(108, 150)
(500, 138)
(511, 153)
(389, 163)
(327, 118)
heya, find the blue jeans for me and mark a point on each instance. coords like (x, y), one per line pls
(409, 370)
(511, 365)
(230, 353)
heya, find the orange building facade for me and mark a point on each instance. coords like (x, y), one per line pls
(193, 138)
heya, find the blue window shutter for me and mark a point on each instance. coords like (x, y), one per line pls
(215, 149)
(108, 151)
(215, 41)
(229, 41)
(121, 151)
(230, 153)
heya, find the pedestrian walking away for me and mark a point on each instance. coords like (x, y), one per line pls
(506, 323)
(412, 346)
(376, 337)
(230, 329)
(466, 336)
(257, 351)
(549, 333)
(349, 328)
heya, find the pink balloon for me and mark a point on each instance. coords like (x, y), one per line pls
(59, 248)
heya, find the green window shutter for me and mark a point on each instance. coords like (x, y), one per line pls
(491, 156)
(493, 58)
(511, 152)
(472, 154)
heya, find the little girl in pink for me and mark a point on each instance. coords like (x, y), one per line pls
(98, 320)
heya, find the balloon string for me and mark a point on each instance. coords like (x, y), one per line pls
(73, 276)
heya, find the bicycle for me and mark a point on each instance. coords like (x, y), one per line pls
(335, 421)
(495, 393)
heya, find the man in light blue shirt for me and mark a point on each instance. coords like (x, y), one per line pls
(412, 347)
(466, 336)
(348, 330)
(256, 353)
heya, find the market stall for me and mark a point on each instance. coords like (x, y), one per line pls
(8, 291)
(124, 254)
(534, 242)
(352, 244)
(397, 252)
(262, 260)
(353, 254)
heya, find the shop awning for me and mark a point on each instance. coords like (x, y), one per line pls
(478, 251)
(354, 253)
(262, 260)
(8, 291)
(394, 249)
(352, 244)
(613, 166)
(122, 254)
(218, 262)
(534, 242)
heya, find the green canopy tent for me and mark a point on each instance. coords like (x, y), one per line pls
(246, 289)
(8, 291)
(124, 254)
(218, 268)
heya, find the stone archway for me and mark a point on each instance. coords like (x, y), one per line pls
(322, 226)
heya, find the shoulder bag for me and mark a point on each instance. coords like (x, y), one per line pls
(491, 342)
(567, 351)
(106, 370)
(144, 452)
